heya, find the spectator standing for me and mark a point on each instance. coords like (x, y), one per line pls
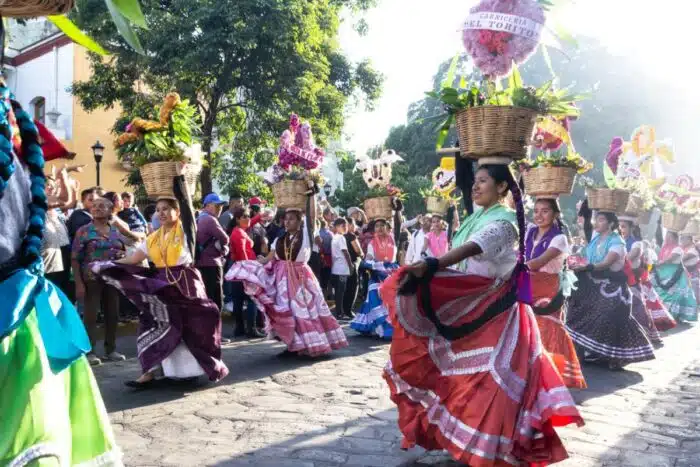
(326, 238)
(242, 250)
(98, 240)
(417, 241)
(341, 266)
(355, 251)
(234, 202)
(80, 217)
(257, 231)
(131, 215)
(212, 248)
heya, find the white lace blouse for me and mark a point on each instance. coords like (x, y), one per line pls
(498, 242)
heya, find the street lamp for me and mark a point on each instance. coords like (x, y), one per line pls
(327, 189)
(98, 151)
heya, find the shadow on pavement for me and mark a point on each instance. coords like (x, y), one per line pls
(247, 360)
(602, 381)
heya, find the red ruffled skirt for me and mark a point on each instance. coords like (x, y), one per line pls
(555, 339)
(663, 320)
(491, 398)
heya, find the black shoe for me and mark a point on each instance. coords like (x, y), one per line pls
(150, 384)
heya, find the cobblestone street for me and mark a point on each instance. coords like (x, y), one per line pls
(336, 412)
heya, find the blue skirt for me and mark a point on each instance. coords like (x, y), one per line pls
(373, 316)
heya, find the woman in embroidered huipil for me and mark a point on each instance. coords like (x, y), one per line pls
(599, 315)
(286, 290)
(637, 257)
(381, 259)
(546, 250)
(467, 370)
(179, 327)
(672, 281)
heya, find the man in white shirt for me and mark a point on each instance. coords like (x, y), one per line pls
(417, 240)
(342, 265)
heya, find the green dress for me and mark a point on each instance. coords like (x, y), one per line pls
(51, 410)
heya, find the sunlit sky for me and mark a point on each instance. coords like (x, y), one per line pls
(408, 39)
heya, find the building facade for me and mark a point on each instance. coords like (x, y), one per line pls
(41, 64)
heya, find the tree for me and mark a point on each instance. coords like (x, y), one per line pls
(622, 96)
(247, 64)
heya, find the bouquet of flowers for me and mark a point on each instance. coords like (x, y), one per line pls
(170, 139)
(498, 33)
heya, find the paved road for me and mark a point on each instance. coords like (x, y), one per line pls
(336, 412)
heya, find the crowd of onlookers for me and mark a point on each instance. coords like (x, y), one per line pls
(94, 225)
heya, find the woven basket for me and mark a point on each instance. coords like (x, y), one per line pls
(493, 130)
(378, 208)
(34, 8)
(693, 228)
(635, 205)
(644, 217)
(290, 194)
(549, 181)
(605, 199)
(437, 205)
(158, 178)
(674, 222)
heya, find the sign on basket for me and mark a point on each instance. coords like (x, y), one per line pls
(502, 22)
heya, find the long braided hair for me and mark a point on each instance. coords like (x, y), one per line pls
(30, 250)
(501, 173)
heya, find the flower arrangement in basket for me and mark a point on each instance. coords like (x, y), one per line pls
(496, 121)
(155, 148)
(440, 196)
(679, 203)
(376, 172)
(297, 167)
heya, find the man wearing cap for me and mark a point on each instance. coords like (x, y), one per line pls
(212, 248)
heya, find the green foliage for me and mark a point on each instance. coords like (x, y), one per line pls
(247, 64)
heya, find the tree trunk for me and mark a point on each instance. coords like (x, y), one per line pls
(207, 131)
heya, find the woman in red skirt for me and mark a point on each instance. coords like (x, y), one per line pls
(467, 369)
(546, 250)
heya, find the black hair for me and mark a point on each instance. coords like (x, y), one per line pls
(635, 231)
(675, 234)
(339, 221)
(112, 196)
(501, 174)
(611, 218)
(554, 206)
(171, 202)
(464, 179)
(587, 213)
(279, 215)
(296, 212)
(87, 192)
(237, 214)
(149, 211)
(255, 209)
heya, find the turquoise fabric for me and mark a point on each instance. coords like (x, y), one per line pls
(598, 249)
(60, 325)
(480, 219)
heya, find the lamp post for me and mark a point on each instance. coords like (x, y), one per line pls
(327, 189)
(97, 152)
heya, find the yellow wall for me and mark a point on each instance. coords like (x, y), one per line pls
(90, 127)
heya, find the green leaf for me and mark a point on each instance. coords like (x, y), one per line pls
(450, 78)
(124, 28)
(515, 81)
(609, 176)
(76, 35)
(131, 10)
(548, 60)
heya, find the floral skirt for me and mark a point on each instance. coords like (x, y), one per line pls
(663, 321)
(373, 316)
(599, 320)
(679, 298)
(555, 338)
(290, 296)
(490, 398)
(51, 410)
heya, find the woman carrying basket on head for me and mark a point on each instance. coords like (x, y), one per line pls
(546, 251)
(179, 327)
(286, 290)
(599, 316)
(467, 368)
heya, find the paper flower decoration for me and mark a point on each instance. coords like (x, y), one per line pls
(552, 133)
(297, 147)
(500, 32)
(444, 176)
(377, 172)
(642, 156)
